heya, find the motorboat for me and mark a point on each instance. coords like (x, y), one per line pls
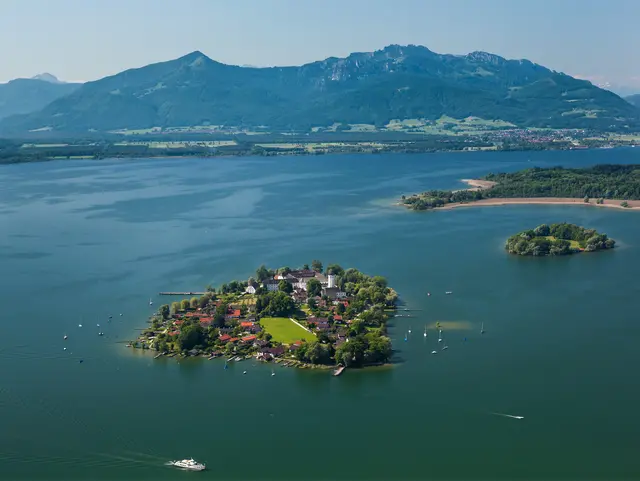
(189, 464)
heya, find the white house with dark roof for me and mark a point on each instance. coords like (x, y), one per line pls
(271, 284)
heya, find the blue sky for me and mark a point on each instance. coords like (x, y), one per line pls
(88, 39)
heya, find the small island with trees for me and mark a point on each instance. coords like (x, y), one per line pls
(306, 317)
(557, 240)
(601, 185)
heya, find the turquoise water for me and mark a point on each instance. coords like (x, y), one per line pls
(82, 240)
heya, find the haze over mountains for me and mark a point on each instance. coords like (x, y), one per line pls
(397, 82)
(23, 96)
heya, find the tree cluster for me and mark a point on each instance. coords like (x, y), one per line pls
(555, 239)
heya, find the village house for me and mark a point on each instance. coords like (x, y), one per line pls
(271, 285)
(225, 338)
(248, 339)
(250, 290)
(334, 293)
(232, 314)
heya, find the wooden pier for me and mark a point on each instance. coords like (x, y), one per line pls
(182, 293)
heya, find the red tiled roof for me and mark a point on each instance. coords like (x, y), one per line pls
(174, 333)
(246, 324)
(225, 337)
(337, 318)
(177, 323)
(248, 338)
(233, 339)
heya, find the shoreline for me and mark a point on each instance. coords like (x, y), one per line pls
(479, 184)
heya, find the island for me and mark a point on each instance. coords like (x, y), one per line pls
(557, 240)
(601, 185)
(306, 317)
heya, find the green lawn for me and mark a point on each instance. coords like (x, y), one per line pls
(285, 331)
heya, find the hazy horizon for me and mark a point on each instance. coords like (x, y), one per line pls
(76, 41)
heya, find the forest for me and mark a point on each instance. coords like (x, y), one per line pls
(598, 182)
(557, 240)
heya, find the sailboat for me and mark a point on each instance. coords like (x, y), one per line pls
(273, 373)
(226, 366)
(150, 302)
(409, 329)
(482, 329)
(425, 331)
(440, 335)
(405, 338)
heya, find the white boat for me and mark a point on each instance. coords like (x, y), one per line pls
(448, 292)
(434, 352)
(425, 331)
(482, 329)
(150, 302)
(244, 372)
(273, 373)
(409, 329)
(65, 338)
(189, 464)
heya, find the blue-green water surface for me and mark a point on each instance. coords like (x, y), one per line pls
(82, 240)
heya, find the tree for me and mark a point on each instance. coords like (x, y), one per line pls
(209, 288)
(542, 230)
(262, 274)
(284, 286)
(624, 204)
(316, 265)
(586, 199)
(164, 311)
(314, 288)
(305, 267)
(193, 303)
(335, 269)
(184, 304)
(175, 307)
(190, 336)
(283, 271)
(340, 308)
(204, 300)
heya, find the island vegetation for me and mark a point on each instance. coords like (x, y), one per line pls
(557, 240)
(600, 184)
(304, 317)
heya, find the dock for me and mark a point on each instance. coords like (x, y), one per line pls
(158, 355)
(182, 293)
(339, 371)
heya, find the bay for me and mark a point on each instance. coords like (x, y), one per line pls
(84, 240)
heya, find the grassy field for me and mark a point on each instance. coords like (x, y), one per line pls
(574, 244)
(285, 331)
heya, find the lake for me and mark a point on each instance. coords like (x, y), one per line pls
(83, 240)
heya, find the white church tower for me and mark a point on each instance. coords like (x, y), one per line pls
(331, 281)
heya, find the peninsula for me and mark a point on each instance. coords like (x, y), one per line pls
(307, 317)
(557, 240)
(601, 185)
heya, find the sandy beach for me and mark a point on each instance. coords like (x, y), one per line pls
(611, 203)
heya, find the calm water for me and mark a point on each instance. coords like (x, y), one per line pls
(82, 240)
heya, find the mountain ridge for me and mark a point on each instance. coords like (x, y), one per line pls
(396, 82)
(24, 96)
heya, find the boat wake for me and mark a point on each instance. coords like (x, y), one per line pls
(508, 415)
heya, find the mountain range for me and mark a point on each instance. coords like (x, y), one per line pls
(633, 100)
(24, 95)
(397, 82)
